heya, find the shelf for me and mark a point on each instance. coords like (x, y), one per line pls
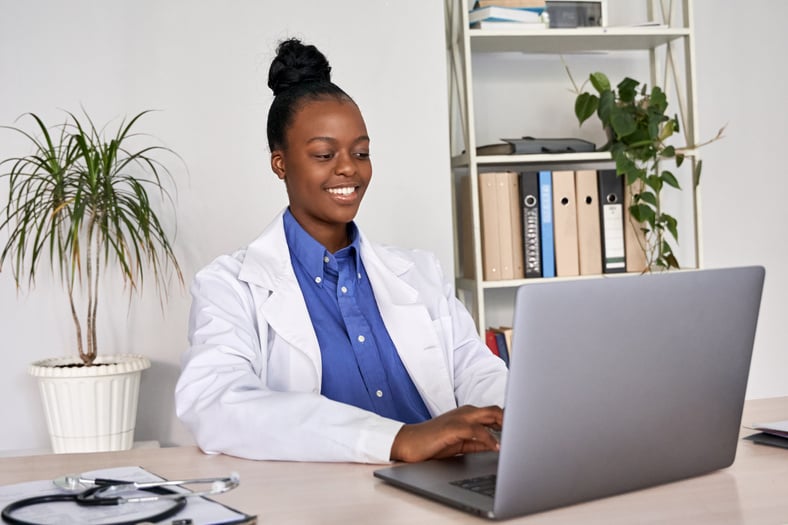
(581, 40)
(463, 283)
(665, 49)
(461, 161)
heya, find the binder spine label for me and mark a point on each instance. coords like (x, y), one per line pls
(533, 267)
(546, 223)
(613, 229)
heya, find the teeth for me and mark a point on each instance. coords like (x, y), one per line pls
(341, 191)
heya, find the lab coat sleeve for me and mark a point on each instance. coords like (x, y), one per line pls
(479, 375)
(222, 394)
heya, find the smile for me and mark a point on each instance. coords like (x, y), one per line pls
(342, 191)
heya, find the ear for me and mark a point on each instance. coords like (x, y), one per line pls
(278, 163)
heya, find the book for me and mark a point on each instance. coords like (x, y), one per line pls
(529, 200)
(507, 332)
(565, 224)
(503, 14)
(503, 350)
(495, 25)
(546, 223)
(589, 236)
(522, 4)
(488, 213)
(491, 341)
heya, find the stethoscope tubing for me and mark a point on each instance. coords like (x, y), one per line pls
(85, 499)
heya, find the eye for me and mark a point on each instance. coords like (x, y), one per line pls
(363, 155)
(324, 155)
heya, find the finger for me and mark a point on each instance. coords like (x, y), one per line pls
(483, 437)
(490, 415)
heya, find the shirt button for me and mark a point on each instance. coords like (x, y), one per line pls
(379, 393)
(344, 289)
(359, 275)
(361, 339)
(318, 280)
(325, 259)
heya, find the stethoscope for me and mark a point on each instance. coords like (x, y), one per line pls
(103, 492)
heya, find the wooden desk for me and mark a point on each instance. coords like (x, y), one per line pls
(753, 490)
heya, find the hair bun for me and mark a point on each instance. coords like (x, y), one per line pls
(296, 63)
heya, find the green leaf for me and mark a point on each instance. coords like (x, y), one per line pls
(667, 130)
(654, 182)
(648, 197)
(607, 103)
(671, 225)
(658, 100)
(672, 262)
(668, 152)
(679, 160)
(696, 175)
(585, 106)
(668, 178)
(600, 82)
(622, 123)
(627, 89)
(643, 213)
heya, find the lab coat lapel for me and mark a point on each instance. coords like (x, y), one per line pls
(267, 265)
(411, 329)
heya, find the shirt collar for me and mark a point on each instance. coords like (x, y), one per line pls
(310, 253)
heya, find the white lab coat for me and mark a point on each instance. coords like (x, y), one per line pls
(250, 380)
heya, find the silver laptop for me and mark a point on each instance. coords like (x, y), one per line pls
(616, 384)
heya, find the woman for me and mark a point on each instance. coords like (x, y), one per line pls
(315, 344)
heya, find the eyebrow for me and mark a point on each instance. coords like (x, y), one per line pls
(361, 138)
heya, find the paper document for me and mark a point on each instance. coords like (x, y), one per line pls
(777, 428)
(199, 510)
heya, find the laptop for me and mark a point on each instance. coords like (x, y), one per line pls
(616, 384)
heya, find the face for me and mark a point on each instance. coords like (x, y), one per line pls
(325, 166)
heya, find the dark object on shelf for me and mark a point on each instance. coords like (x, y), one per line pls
(531, 145)
(574, 14)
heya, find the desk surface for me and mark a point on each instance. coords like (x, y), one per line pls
(753, 490)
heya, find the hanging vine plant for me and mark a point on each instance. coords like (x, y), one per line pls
(638, 128)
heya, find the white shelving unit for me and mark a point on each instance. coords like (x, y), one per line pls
(669, 51)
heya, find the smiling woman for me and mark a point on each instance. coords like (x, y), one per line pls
(326, 169)
(314, 343)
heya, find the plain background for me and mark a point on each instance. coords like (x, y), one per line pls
(204, 66)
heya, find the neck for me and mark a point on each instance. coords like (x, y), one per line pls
(333, 236)
(335, 241)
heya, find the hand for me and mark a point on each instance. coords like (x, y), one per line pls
(459, 431)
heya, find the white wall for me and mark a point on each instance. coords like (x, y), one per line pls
(740, 74)
(204, 65)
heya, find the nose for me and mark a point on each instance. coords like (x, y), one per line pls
(345, 164)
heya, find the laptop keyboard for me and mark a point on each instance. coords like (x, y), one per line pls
(481, 485)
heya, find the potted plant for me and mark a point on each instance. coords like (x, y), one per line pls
(639, 128)
(80, 201)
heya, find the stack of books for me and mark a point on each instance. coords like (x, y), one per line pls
(508, 14)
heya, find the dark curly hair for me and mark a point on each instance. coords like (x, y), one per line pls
(298, 74)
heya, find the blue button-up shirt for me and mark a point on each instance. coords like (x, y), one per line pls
(361, 366)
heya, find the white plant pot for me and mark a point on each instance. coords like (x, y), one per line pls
(90, 408)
